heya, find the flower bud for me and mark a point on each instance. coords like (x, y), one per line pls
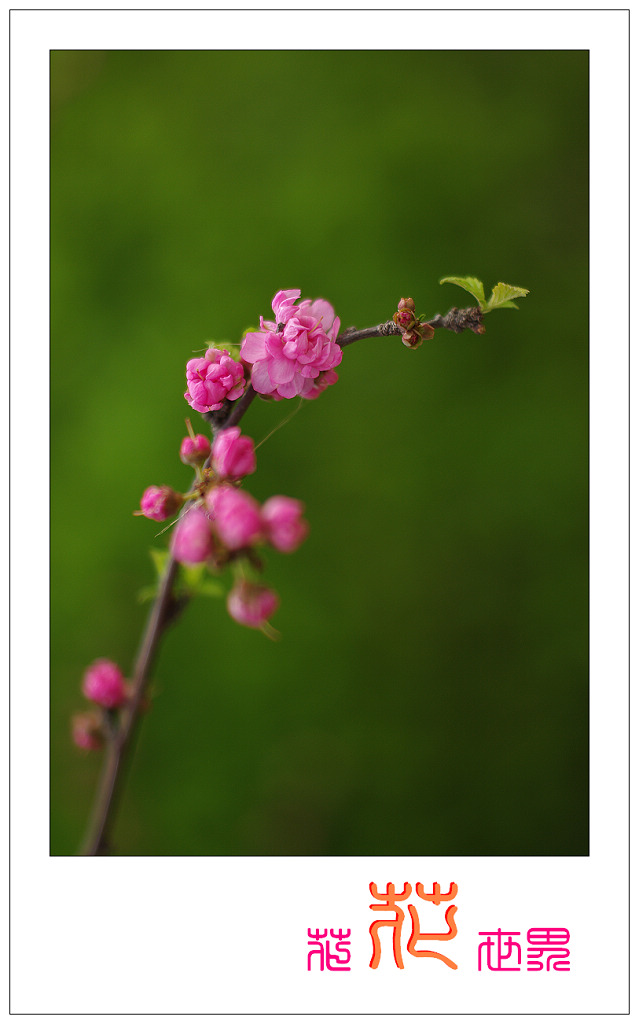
(86, 731)
(251, 604)
(406, 304)
(104, 684)
(236, 517)
(192, 541)
(283, 524)
(233, 454)
(404, 318)
(412, 339)
(194, 451)
(160, 503)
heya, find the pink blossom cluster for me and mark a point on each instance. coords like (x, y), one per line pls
(227, 523)
(212, 380)
(222, 523)
(231, 520)
(296, 354)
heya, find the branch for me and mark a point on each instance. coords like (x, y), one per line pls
(456, 320)
(162, 614)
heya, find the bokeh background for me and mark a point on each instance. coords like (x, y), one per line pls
(429, 694)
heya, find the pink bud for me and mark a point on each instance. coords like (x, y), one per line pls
(86, 731)
(404, 318)
(233, 454)
(103, 683)
(159, 503)
(406, 304)
(284, 526)
(412, 339)
(194, 451)
(192, 542)
(236, 517)
(251, 604)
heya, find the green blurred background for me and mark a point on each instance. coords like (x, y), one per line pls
(429, 694)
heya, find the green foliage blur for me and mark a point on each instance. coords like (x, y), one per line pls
(429, 694)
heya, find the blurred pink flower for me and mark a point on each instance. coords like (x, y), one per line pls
(283, 523)
(233, 454)
(159, 503)
(103, 683)
(288, 355)
(236, 517)
(251, 604)
(192, 541)
(86, 731)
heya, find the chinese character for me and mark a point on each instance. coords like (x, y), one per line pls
(391, 899)
(499, 950)
(551, 943)
(334, 961)
(436, 896)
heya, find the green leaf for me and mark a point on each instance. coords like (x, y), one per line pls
(159, 557)
(196, 580)
(146, 594)
(469, 284)
(502, 296)
(191, 576)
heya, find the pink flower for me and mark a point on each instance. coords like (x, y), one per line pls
(194, 451)
(159, 503)
(251, 604)
(103, 683)
(192, 542)
(86, 731)
(233, 455)
(236, 517)
(213, 379)
(284, 526)
(288, 355)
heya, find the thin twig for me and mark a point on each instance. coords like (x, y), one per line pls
(162, 613)
(456, 320)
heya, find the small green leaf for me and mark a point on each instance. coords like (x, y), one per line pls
(502, 296)
(146, 594)
(191, 576)
(469, 284)
(159, 559)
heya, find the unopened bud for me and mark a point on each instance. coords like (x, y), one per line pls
(404, 318)
(194, 451)
(159, 503)
(104, 683)
(406, 304)
(412, 339)
(86, 731)
(251, 604)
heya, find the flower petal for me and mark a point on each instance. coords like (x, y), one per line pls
(253, 347)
